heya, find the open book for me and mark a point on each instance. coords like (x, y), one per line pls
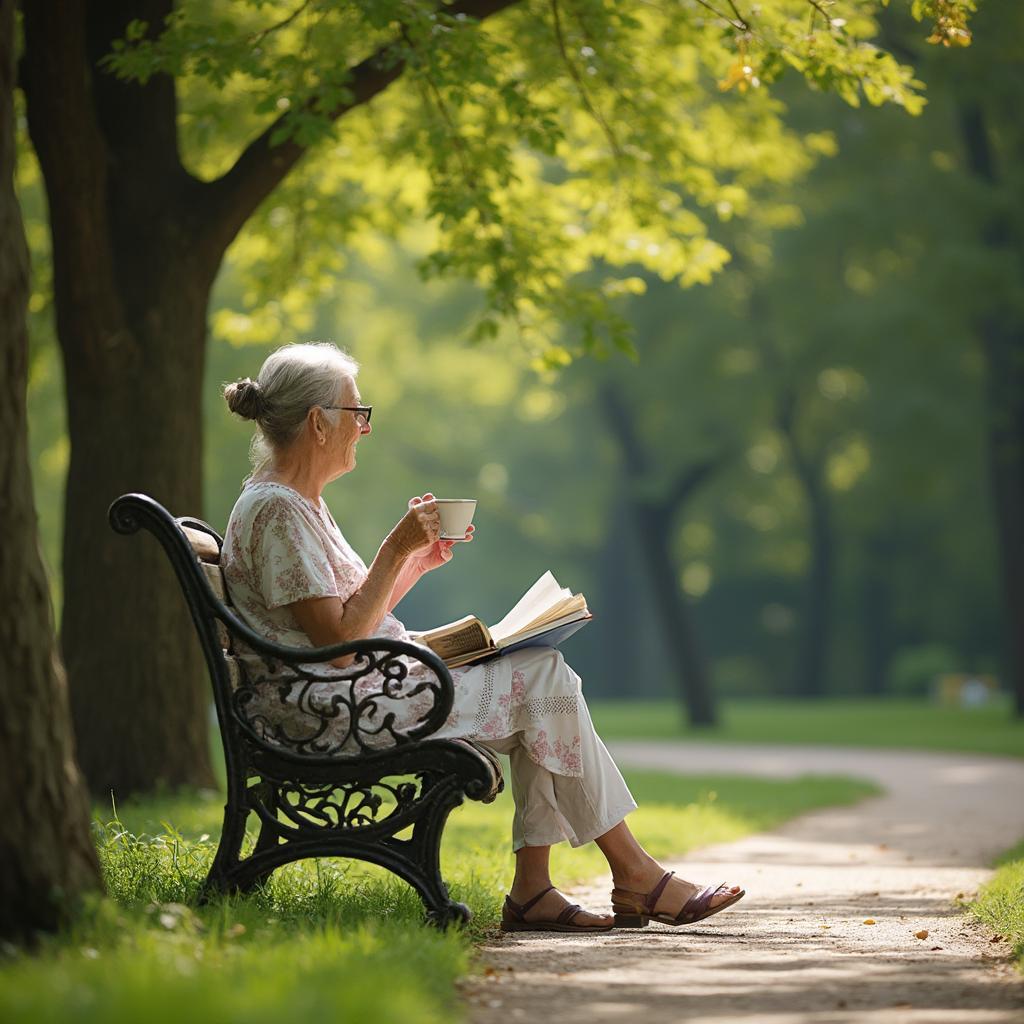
(545, 615)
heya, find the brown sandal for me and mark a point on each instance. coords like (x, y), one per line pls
(634, 909)
(513, 918)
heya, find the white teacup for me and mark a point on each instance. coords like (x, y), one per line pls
(456, 515)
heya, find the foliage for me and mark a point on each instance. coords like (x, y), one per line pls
(551, 140)
(854, 723)
(325, 939)
(1001, 901)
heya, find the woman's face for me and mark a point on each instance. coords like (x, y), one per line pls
(350, 429)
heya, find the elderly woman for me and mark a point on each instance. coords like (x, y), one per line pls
(295, 579)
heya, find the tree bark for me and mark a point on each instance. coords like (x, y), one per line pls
(131, 287)
(1000, 333)
(47, 854)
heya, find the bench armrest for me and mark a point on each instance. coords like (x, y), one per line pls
(376, 684)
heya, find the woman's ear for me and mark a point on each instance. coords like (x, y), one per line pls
(317, 427)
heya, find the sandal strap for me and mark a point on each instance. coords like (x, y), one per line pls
(568, 913)
(651, 900)
(699, 903)
(518, 910)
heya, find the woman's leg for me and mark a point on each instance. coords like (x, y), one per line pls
(634, 869)
(536, 825)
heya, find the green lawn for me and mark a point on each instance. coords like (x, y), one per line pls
(1001, 903)
(326, 940)
(867, 723)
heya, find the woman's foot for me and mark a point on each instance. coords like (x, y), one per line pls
(549, 910)
(673, 896)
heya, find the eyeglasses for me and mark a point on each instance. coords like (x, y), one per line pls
(359, 410)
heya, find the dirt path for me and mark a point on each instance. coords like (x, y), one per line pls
(797, 948)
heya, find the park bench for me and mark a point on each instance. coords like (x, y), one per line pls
(313, 798)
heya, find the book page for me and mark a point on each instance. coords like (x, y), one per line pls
(531, 607)
(456, 640)
(547, 627)
(573, 606)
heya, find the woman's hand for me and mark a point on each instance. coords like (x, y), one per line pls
(440, 551)
(418, 530)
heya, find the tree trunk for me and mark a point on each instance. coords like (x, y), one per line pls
(140, 693)
(1001, 335)
(654, 519)
(876, 616)
(654, 523)
(131, 286)
(619, 601)
(47, 855)
(1004, 352)
(815, 622)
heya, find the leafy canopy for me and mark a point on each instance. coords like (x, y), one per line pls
(556, 148)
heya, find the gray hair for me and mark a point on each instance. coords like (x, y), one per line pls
(291, 381)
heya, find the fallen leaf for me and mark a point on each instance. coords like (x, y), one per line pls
(869, 920)
(922, 934)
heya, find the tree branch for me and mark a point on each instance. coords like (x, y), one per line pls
(581, 88)
(637, 463)
(261, 167)
(258, 37)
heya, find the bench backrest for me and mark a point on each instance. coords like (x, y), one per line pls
(207, 544)
(193, 548)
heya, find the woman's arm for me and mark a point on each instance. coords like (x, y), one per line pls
(328, 620)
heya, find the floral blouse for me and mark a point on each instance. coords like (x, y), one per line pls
(280, 547)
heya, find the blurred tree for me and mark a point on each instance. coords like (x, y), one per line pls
(993, 141)
(45, 847)
(568, 134)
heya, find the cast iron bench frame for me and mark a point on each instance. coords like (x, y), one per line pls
(313, 799)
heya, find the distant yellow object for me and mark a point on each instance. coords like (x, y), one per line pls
(964, 689)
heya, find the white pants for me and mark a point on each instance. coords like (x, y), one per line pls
(550, 806)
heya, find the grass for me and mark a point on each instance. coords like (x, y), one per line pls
(861, 723)
(326, 940)
(1001, 902)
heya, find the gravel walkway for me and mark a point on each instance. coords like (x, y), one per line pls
(799, 947)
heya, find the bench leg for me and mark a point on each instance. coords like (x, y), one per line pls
(224, 875)
(416, 860)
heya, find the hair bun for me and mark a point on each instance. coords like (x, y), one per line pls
(245, 398)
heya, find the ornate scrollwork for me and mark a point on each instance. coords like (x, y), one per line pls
(308, 807)
(320, 710)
